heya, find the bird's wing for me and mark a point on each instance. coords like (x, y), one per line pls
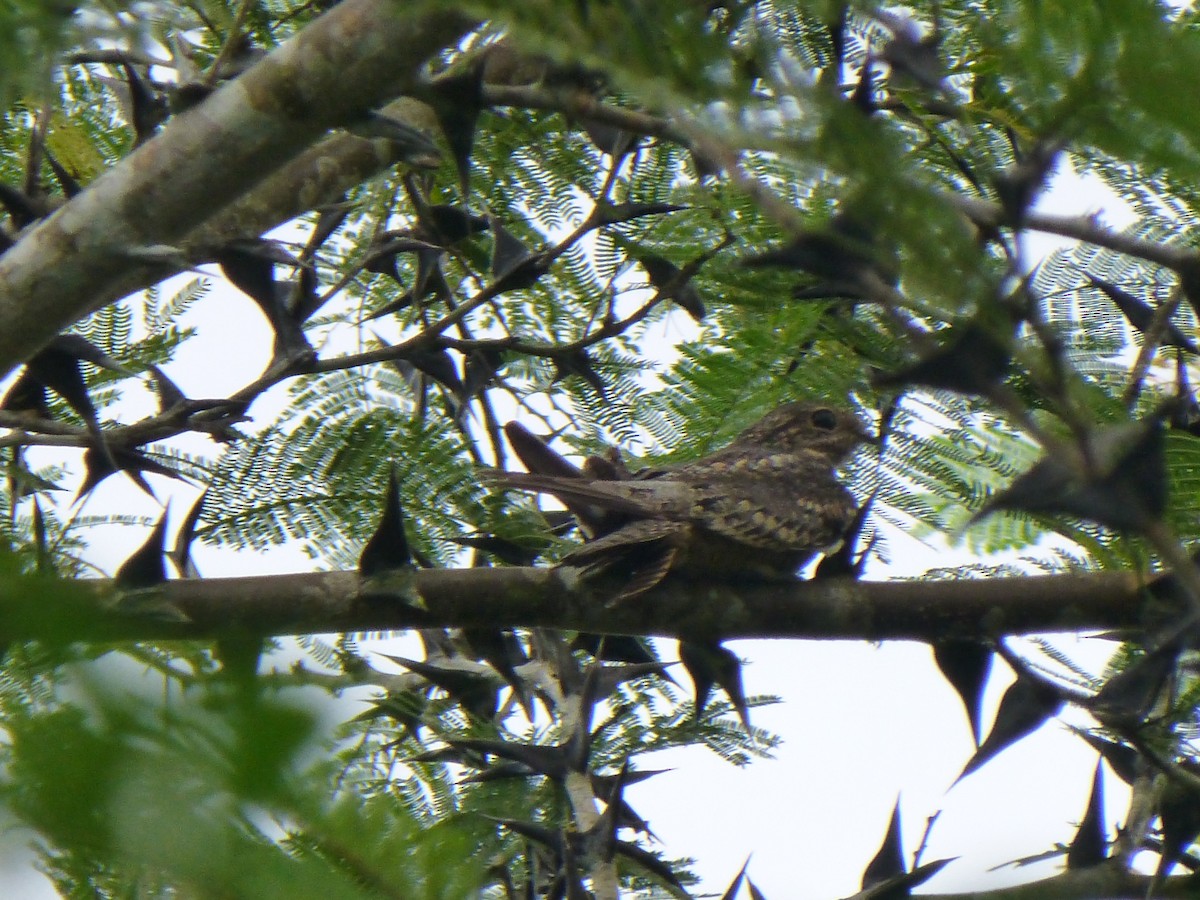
(628, 538)
(772, 507)
(780, 523)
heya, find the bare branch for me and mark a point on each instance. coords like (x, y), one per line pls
(323, 602)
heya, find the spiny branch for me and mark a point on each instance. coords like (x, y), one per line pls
(325, 602)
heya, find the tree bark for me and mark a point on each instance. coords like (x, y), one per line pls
(351, 60)
(537, 597)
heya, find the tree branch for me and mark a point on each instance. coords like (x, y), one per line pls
(1092, 883)
(351, 60)
(322, 602)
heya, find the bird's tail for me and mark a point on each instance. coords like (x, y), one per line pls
(572, 491)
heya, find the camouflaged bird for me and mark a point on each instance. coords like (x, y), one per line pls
(760, 507)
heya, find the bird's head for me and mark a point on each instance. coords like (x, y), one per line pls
(816, 427)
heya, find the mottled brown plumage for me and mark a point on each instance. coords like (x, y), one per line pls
(760, 507)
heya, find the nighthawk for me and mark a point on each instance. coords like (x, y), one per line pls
(760, 507)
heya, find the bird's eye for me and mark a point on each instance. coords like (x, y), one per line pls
(825, 419)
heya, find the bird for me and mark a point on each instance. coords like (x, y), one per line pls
(758, 508)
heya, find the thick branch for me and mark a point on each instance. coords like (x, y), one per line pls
(353, 59)
(1092, 883)
(536, 597)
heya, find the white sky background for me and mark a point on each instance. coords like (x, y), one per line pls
(861, 724)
